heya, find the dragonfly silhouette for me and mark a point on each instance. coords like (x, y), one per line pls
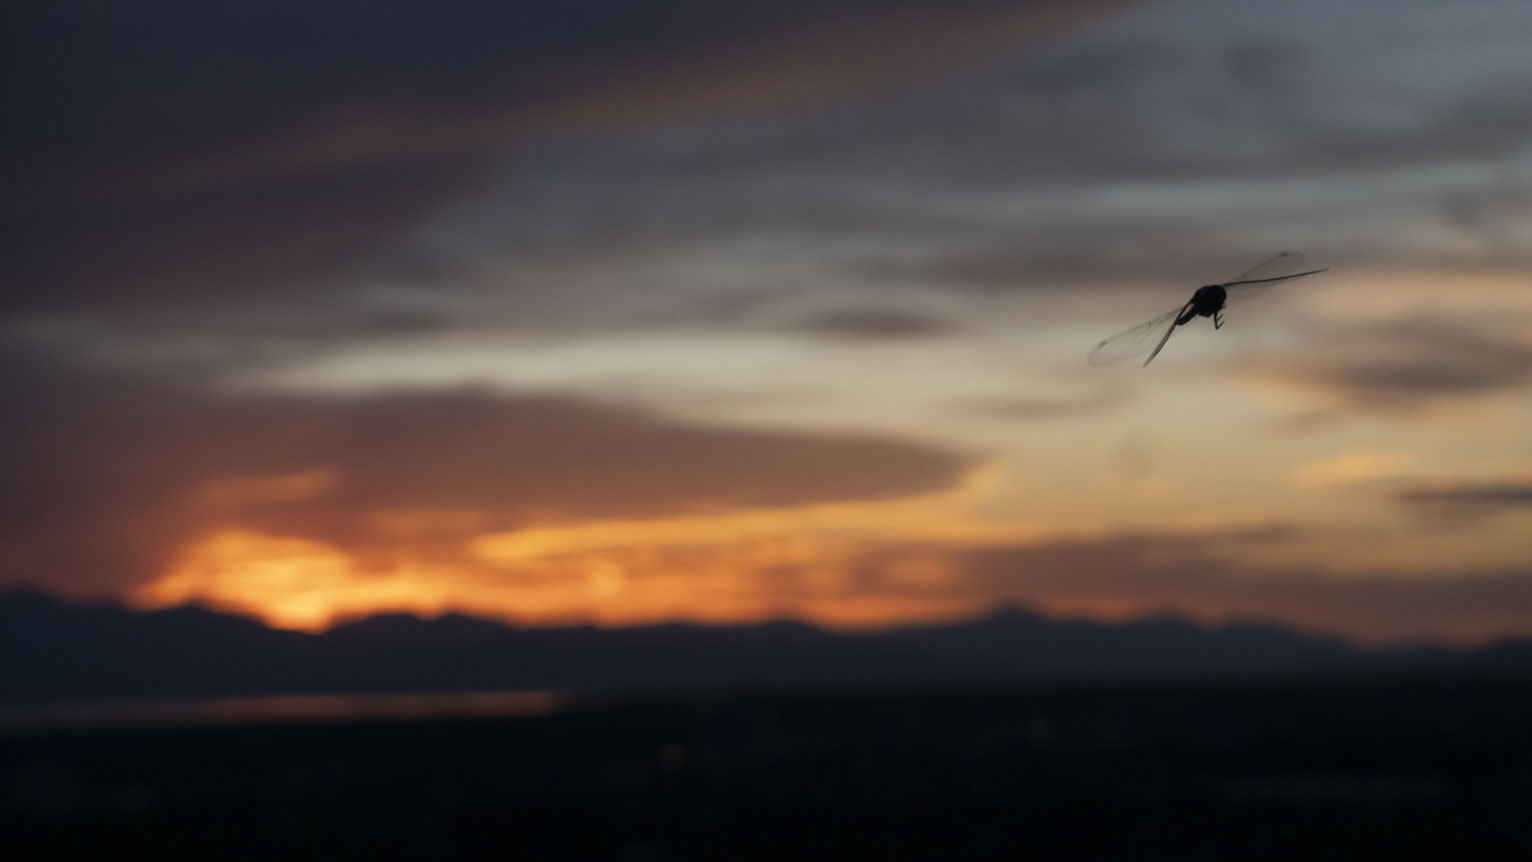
(1209, 301)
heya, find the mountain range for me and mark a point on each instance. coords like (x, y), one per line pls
(51, 650)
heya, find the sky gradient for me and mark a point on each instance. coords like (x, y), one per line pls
(647, 310)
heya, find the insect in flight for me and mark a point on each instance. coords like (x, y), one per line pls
(1209, 301)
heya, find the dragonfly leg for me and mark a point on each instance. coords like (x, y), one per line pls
(1218, 320)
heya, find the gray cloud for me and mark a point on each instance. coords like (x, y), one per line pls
(172, 153)
(1168, 145)
(1026, 409)
(1403, 368)
(876, 324)
(1461, 502)
(1135, 151)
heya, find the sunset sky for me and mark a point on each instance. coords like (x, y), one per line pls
(621, 311)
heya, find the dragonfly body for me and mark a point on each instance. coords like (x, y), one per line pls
(1209, 301)
(1206, 302)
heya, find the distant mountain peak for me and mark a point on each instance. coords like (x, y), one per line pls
(52, 649)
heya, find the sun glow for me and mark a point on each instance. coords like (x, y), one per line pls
(751, 565)
(290, 583)
(298, 584)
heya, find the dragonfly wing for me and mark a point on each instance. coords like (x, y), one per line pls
(1274, 270)
(1278, 264)
(1169, 330)
(1134, 342)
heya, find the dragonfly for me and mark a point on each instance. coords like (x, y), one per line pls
(1209, 301)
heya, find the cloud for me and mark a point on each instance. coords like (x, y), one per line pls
(1022, 408)
(1499, 494)
(106, 475)
(239, 247)
(167, 152)
(1359, 465)
(1134, 154)
(1213, 575)
(876, 324)
(1135, 151)
(1456, 503)
(1401, 369)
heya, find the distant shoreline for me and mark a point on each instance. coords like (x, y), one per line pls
(162, 713)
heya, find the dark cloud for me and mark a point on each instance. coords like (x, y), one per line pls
(1402, 368)
(240, 247)
(1467, 500)
(163, 150)
(1024, 409)
(1161, 146)
(1184, 93)
(105, 475)
(876, 324)
(1138, 150)
(1068, 252)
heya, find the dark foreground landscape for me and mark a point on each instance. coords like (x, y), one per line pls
(1369, 767)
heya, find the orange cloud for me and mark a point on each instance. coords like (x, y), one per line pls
(805, 561)
(297, 584)
(850, 582)
(144, 470)
(1355, 466)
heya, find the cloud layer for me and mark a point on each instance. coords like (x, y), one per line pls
(1401, 368)
(107, 476)
(171, 153)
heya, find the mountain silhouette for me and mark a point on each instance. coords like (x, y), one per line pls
(51, 650)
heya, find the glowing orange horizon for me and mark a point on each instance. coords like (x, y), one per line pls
(844, 565)
(307, 586)
(703, 568)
